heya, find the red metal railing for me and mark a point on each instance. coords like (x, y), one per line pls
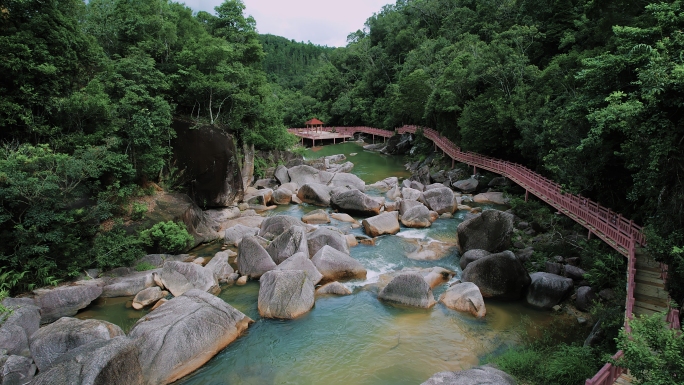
(608, 373)
(346, 130)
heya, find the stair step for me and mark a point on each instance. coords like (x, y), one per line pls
(651, 291)
(655, 282)
(648, 274)
(660, 302)
(640, 305)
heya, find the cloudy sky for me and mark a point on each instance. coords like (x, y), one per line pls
(323, 22)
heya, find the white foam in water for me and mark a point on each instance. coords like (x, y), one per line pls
(414, 233)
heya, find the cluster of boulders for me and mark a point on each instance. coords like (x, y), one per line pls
(290, 258)
(163, 346)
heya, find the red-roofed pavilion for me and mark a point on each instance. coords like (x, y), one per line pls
(314, 124)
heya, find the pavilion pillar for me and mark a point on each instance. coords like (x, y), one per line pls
(474, 170)
(373, 138)
(526, 192)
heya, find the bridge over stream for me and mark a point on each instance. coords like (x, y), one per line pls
(646, 278)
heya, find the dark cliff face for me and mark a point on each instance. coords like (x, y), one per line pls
(211, 170)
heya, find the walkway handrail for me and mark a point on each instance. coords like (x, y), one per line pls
(603, 220)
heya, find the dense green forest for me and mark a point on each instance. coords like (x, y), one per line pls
(87, 95)
(587, 92)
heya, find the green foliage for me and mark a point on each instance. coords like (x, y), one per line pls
(562, 364)
(167, 237)
(116, 248)
(144, 266)
(652, 352)
(606, 269)
(138, 211)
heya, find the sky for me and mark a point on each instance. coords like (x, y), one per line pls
(322, 22)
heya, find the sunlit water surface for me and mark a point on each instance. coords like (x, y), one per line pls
(354, 339)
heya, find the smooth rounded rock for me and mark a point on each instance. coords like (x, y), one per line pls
(334, 288)
(315, 193)
(316, 217)
(179, 277)
(287, 244)
(233, 236)
(253, 260)
(326, 236)
(416, 217)
(547, 290)
(285, 294)
(439, 199)
(408, 289)
(66, 334)
(356, 202)
(465, 297)
(64, 301)
(489, 231)
(148, 297)
(301, 261)
(181, 336)
(275, 225)
(335, 265)
(500, 276)
(220, 267)
(472, 255)
(385, 223)
(481, 375)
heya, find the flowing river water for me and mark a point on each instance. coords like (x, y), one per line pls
(355, 339)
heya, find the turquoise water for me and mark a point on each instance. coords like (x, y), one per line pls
(358, 339)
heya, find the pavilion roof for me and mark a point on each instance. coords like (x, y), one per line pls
(314, 122)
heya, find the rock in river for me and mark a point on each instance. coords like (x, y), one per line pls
(185, 333)
(499, 276)
(385, 223)
(285, 294)
(179, 277)
(408, 289)
(336, 265)
(490, 231)
(465, 297)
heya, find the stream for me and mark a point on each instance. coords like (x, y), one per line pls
(355, 339)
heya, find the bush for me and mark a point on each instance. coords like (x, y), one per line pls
(653, 352)
(560, 364)
(167, 237)
(144, 266)
(115, 248)
(138, 211)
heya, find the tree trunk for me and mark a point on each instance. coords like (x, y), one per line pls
(247, 165)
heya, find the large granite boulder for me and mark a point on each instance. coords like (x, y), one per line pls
(285, 294)
(386, 184)
(181, 336)
(481, 375)
(500, 276)
(19, 325)
(335, 265)
(410, 193)
(548, 290)
(437, 276)
(465, 297)
(275, 225)
(281, 174)
(491, 197)
(148, 297)
(316, 217)
(112, 361)
(64, 301)
(179, 277)
(315, 193)
(408, 289)
(334, 288)
(406, 204)
(210, 162)
(466, 185)
(439, 199)
(323, 236)
(234, 235)
(304, 174)
(130, 284)
(301, 261)
(65, 334)
(417, 216)
(287, 244)
(253, 260)
(585, 298)
(385, 223)
(16, 370)
(489, 231)
(344, 179)
(282, 196)
(472, 255)
(355, 202)
(220, 267)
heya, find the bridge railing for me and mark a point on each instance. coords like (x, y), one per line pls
(605, 221)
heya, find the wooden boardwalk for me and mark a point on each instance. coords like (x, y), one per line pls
(649, 290)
